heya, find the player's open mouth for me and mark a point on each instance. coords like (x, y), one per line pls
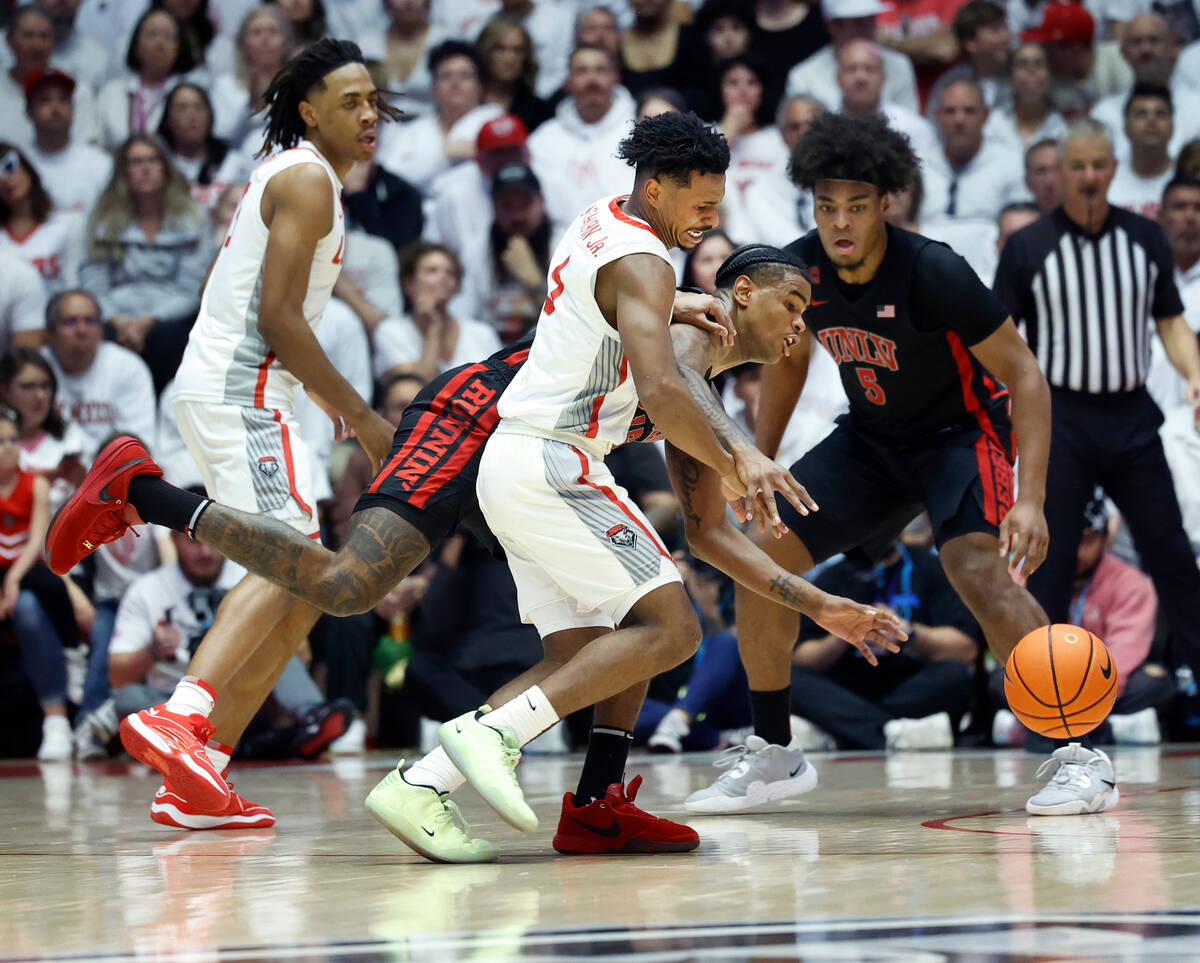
(788, 343)
(368, 140)
(844, 246)
(696, 235)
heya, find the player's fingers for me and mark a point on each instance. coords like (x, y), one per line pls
(866, 652)
(739, 510)
(1018, 551)
(802, 493)
(1039, 545)
(794, 493)
(720, 314)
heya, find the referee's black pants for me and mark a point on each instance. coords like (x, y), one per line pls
(1112, 440)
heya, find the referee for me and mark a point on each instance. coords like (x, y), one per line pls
(1086, 279)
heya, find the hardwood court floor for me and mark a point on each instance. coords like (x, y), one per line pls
(906, 857)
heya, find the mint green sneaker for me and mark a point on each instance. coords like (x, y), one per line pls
(488, 757)
(427, 821)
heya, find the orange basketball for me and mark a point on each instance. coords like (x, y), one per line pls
(1061, 681)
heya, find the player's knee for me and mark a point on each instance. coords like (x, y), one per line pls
(679, 640)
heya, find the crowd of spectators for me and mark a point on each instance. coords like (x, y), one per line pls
(129, 130)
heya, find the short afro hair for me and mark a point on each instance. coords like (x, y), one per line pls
(761, 263)
(862, 148)
(674, 146)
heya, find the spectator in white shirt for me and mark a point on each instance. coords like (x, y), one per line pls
(1030, 116)
(756, 149)
(1138, 184)
(422, 148)
(574, 154)
(148, 252)
(73, 171)
(1043, 176)
(977, 177)
(187, 130)
(49, 241)
(981, 28)
(102, 387)
(30, 41)
(74, 51)
(1180, 219)
(22, 305)
(133, 102)
(429, 339)
(848, 20)
(1149, 48)
(262, 43)
(972, 237)
(773, 210)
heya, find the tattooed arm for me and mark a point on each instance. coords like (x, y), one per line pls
(713, 538)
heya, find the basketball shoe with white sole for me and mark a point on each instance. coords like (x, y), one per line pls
(174, 745)
(426, 821)
(172, 808)
(488, 756)
(759, 773)
(1083, 782)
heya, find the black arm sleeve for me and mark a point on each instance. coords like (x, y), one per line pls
(1008, 284)
(947, 293)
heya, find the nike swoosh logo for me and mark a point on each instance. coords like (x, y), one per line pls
(613, 830)
(1111, 785)
(104, 494)
(817, 304)
(457, 727)
(796, 770)
(1106, 670)
(427, 832)
(531, 705)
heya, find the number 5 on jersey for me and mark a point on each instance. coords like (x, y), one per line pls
(871, 388)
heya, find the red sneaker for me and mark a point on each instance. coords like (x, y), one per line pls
(174, 745)
(99, 511)
(171, 808)
(615, 825)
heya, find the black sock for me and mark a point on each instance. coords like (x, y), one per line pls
(161, 503)
(604, 763)
(771, 713)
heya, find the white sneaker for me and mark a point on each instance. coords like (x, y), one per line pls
(811, 738)
(58, 744)
(95, 731)
(1007, 730)
(670, 732)
(1137, 728)
(759, 773)
(928, 732)
(76, 658)
(1083, 782)
(352, 742)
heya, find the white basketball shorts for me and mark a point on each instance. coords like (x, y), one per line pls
(580, 551)
(252, 459)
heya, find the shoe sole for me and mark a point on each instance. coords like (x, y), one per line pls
(182, 771)
(167, 815)
(104, 463)
(630, 846)
(333, 727)
(526, 820)
(404, 831)
(769, 793)
(1076, 807)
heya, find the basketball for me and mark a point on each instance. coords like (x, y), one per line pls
(1060, 681)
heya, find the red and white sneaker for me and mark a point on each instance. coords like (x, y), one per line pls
(174, 745)
(615, 825)
(171, 808)
(99, 511)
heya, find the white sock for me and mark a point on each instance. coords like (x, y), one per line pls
(528, 715)
(192, 696)
(218, 755)
(436, 771)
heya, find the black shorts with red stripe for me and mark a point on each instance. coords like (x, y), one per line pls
(869, 488)
(429, 477)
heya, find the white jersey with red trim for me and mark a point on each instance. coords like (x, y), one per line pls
(576, 381)
(227, 361)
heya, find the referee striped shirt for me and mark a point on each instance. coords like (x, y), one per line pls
(1088, 300)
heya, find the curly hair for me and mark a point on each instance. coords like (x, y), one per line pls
(761, 263)
(673, 146)
(862, 148)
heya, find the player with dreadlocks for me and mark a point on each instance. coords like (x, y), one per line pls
(251, 347)
(928, 357)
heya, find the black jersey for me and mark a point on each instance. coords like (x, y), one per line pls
(901, 340)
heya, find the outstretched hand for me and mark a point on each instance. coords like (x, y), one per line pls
(863, 626)
(761, 477)
(1024, 535)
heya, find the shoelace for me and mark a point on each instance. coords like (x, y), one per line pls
(736, 756)
(1070, 773)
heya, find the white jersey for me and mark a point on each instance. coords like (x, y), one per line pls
(227, 361)
(576, 381)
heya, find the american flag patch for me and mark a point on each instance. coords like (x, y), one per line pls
(885, 311)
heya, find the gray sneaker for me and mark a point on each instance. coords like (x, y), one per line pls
(759, 773)
(1083, 782)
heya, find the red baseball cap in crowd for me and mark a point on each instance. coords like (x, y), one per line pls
(1063, 23)
(36, 79)
(507, 130)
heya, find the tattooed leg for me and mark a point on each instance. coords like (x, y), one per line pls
(381, 550)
